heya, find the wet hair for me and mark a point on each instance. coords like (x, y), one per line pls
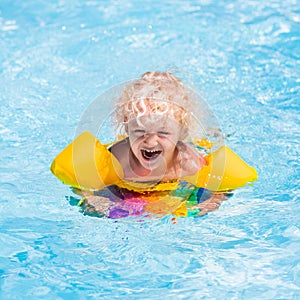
(155, 93)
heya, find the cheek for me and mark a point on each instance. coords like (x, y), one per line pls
(170, 145)
(134, 145)
(171, 141)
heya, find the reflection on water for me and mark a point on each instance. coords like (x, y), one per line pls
(242, 57)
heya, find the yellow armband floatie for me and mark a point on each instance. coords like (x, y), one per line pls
(224, 171)
(89, 165)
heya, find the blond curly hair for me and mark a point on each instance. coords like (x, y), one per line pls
(155, 93)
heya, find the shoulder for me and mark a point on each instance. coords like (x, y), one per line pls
(190, 159)
(120, 149)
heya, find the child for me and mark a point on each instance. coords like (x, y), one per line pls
(155, 114)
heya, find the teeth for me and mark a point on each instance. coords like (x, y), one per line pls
(150, 154)
(152, 151)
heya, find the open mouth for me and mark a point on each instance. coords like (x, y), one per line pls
(150, 154)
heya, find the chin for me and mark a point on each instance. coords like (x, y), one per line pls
(152, 166)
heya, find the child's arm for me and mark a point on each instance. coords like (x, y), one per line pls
(189, 160)
(211, 204)
(97, 206)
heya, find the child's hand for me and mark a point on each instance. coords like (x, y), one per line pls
(210, 204)
(96, 206)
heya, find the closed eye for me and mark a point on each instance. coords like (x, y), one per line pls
(139, 131)
(164, 133)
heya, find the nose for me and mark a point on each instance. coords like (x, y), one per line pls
(151, 139)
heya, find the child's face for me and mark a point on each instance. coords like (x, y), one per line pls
(153, 141)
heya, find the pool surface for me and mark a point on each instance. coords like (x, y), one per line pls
(57, 56)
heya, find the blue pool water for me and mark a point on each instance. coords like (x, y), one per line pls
(57, 56)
